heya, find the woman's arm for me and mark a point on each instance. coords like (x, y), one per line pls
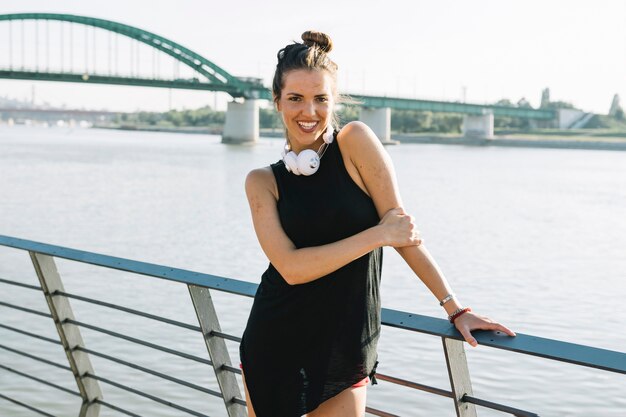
(377, 175)
(425, 267)
(376, 172)
(298, 266)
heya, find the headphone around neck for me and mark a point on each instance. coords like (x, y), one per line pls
(307, 162)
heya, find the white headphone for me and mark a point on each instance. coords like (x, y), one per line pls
(307, 162)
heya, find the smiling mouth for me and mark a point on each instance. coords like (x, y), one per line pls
(308, 126)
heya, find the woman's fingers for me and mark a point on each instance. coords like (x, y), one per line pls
(489, 324)
(469, 321)
(400, 228)
(503, 328)
(415, 238)
(465, 332)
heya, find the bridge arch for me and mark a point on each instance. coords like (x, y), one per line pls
(214, 73)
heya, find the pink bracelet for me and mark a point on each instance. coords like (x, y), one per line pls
(458, 313)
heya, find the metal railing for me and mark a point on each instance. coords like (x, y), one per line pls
(199, 286)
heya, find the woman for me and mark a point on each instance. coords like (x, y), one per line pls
(322, 215)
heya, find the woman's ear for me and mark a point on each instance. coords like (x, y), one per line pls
(276, 103)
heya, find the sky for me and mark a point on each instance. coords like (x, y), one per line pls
(481, 50)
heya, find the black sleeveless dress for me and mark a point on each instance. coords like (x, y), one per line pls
(304, 344)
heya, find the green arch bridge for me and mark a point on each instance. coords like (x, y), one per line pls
(242, 123)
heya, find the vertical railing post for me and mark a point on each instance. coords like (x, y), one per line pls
(209, 323)
(69, 334)
(459, 376)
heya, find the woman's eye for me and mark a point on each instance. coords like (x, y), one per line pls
(322, 99)
(294, 98)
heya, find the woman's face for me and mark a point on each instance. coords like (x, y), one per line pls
(306, 105)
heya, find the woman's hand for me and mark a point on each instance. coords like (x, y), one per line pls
(469, 321)
(399, 229)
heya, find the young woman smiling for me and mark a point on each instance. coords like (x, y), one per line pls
(322, 215)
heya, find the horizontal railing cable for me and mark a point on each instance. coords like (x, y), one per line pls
(20, 284)
(380, 413)
(116, 408)
(238, 400)
(125, 309)
(445, 393)
(225, 336)
(139, 341)
(30, 407)
(24, 332)
(150, 371)
(36, 358)
(117, 360)
(34, 378)
(414, 385)
(145, 395)
(499, 407)
(27, 310)
(128, 310)
(231, 369)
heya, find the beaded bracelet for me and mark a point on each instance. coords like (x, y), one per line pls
(458, 312)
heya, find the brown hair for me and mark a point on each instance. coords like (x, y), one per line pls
(311, 54)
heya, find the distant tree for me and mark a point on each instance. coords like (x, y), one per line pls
(175, 117)
(447, 123)
(269, 118)
(149, 118)
(503, 122)
(504, 102)
(427, 120)
(413, 121)
(347, 114)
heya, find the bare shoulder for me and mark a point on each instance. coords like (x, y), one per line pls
(359, 142)
(370, 166)
(261, 180)
(356, 132)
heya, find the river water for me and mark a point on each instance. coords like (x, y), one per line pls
(534, 238)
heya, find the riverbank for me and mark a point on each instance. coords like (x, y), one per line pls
(520, 140)
(600, 140)
(148, 128)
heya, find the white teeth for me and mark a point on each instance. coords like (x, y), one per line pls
(307, 125)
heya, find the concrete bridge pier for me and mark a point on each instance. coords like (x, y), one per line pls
(379, 120)
(242, 122)
(478, 126)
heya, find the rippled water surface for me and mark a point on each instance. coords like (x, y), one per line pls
(534, 238)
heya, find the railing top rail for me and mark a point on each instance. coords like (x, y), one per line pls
(608, 360)
(532, 345)
(143, 268)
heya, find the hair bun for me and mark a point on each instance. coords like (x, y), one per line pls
(322, 40)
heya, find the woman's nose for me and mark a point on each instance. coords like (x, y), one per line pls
(309, 109)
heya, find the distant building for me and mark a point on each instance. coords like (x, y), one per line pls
(545, 98)
(615, 107)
